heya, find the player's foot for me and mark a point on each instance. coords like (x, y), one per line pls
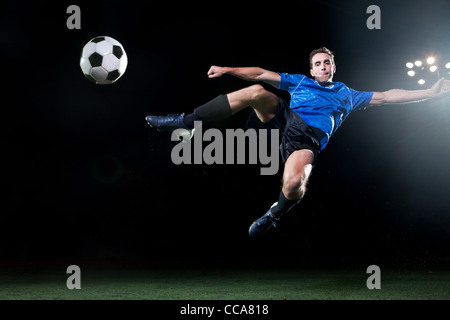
(263, 224)
(172, 122)
(166, 123)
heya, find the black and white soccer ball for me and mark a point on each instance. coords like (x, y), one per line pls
(103, 60)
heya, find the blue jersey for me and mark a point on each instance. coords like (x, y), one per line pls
(322, 107)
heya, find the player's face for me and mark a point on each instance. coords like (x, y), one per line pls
(322, 67)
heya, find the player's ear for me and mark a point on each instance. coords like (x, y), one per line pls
(312, 72)
(334, 68)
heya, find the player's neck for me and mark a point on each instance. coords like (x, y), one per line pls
(325, 84)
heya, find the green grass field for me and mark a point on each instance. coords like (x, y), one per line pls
(147, 283)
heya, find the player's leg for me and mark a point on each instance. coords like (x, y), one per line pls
(297, 171)
(264, 102)
(296, 174)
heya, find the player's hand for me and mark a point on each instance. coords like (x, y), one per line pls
(440, 87)
(215, 72)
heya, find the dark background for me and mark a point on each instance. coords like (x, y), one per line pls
(84, 177)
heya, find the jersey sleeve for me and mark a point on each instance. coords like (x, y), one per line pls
(289, 82)
(360, 99)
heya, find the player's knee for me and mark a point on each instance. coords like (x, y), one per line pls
(257, 92)
(294, 187)
(294, 184)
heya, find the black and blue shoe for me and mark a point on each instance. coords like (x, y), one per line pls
(263, 224)
(172, 122)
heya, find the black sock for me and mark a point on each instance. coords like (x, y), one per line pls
(283, 205)
(189, 120)
(216, 109)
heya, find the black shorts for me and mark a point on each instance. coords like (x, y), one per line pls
(295, 134)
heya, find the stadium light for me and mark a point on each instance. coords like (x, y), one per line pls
(425, 69)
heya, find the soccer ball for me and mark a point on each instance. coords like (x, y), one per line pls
(103, 60)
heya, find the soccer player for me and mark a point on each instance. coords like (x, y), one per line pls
(317, 108)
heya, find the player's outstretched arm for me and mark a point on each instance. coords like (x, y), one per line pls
(407, 96)
(247, 73)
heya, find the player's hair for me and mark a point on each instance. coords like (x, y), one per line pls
(321, 50)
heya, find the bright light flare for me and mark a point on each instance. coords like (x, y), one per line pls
(433, 68)
(447, 65)
(418, 63)
(431, 60)
(411, 73)
(409, 65)
(421, 81)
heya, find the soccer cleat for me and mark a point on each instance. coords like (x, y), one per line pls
(172, 122)
(263, 224)
(166, 123)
